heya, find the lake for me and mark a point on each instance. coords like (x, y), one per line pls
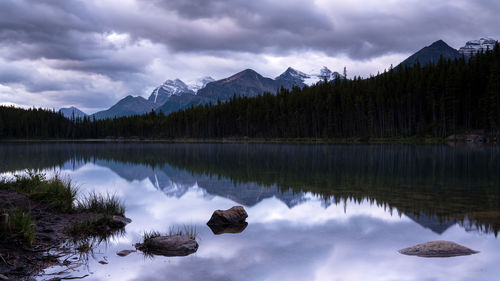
(316, 212)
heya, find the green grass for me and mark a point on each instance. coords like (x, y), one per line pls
(186, 230)
(148, 235)
(17, 224)
(56, 193)
(101, 204)
(60, 194)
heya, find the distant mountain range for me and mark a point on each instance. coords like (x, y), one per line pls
(474, 46)
(438, 49)
(127, 106)
(72, 112)
(174, 95)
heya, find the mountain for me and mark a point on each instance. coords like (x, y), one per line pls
(200, 83)
(291, 78)
(127, 106)
(321, 75)
(474, 46)
(174, 95)
(245, 83)
(70, 112)
(431, 54)
(170, 88)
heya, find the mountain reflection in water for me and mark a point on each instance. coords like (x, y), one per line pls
(436, 186)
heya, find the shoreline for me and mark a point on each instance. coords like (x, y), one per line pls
(410, 140)
(43, 222)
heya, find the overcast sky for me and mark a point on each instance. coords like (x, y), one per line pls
(91, 53)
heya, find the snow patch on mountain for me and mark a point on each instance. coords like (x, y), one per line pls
(200, 83)
(475, 46)
(177, 88)
(300, 78)
(292, 74)
(321, 75)
(170, 88)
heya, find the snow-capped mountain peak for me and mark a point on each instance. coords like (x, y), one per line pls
(177, 87)
(475, 46)
(293, 73)
(292, 77)
(169, 88)
(321, 75)
(200, 83)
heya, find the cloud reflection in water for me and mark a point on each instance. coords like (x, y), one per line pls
(309, 241)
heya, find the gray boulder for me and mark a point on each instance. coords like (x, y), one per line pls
(169, 246)
(119, 222)
(438, 249)
(235, 215)
(124, 253)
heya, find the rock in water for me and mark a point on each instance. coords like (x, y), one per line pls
(124, 253)
(438, 249)
(235, 215)
(231, 228)
(169, 246)
(119, 222)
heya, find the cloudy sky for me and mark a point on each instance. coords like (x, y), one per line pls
(91, 53)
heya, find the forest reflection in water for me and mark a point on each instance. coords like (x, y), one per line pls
(436, 185)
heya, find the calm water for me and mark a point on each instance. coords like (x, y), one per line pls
(315, 212)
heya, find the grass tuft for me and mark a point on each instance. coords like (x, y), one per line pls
(148, 235)
(186, 230)
(18, 224)
(57, 193)
(101, 204)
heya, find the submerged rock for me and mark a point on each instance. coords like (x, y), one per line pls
(119, 222)
(124, 253)
(231, 228)
(235, 215)
(438, 249)
(170, 246)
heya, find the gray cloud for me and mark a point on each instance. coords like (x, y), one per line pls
(140, 43)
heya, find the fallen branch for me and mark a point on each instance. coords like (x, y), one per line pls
(1, 256)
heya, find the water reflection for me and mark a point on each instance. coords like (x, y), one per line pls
(315, 212)
(436, 186)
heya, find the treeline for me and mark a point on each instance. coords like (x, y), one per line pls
(34, 123)
(434, 100)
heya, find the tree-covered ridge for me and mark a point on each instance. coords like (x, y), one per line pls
(435, 100)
